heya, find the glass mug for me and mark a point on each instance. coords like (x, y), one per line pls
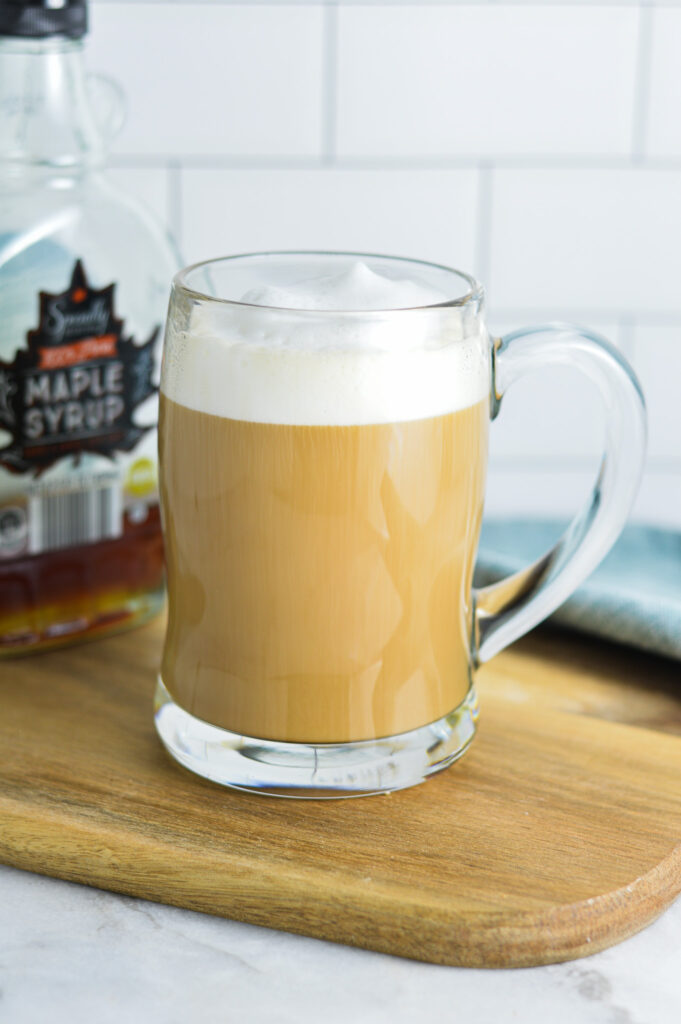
(322, 486)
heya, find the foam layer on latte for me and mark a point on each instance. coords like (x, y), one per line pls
(299, 364)
(358, 288)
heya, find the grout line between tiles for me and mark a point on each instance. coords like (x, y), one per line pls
(571, 463)
(501, 162)
(627, 334)
(542, 463)
(398, 3)
(330, 83)
(642, 84)
(542, 314)
(483, 240)
(174, 170)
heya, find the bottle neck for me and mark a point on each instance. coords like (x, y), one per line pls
(46, 119)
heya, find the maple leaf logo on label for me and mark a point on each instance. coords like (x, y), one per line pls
(77, 384)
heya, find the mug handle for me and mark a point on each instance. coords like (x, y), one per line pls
(506, 610)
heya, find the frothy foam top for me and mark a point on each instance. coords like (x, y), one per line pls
(358, 288)
(312, 368)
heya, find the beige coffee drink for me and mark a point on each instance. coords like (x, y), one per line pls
(322, 494)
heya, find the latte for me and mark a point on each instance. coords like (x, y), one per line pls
(322, 486)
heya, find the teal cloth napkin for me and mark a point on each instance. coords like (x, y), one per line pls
(633, 597)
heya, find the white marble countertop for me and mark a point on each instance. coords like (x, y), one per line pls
(73, 954)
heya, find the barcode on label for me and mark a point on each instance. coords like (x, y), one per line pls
(66, 519)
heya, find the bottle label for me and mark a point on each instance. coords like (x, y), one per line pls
(77, 384)
(74, 444)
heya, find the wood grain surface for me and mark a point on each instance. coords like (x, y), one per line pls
(558, 833)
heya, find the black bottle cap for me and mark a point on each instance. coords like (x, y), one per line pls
(38, 19)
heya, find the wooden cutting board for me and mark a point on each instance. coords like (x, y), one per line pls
(558, 833)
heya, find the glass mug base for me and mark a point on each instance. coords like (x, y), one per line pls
(314, 770)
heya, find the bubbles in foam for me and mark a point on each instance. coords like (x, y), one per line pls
(313, 368)
(358, 289)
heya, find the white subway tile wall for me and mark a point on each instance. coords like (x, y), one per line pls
(149, 185)
(215, 80)
(462, 80)
(664, 129)
(590, 239)
(658, 361)
(396, 211)
(535, 144)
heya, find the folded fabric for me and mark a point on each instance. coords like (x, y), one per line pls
(633, 597)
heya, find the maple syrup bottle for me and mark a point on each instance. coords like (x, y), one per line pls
(84, 278)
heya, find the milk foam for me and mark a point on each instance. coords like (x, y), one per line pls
(358, 289)
(298, 364)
